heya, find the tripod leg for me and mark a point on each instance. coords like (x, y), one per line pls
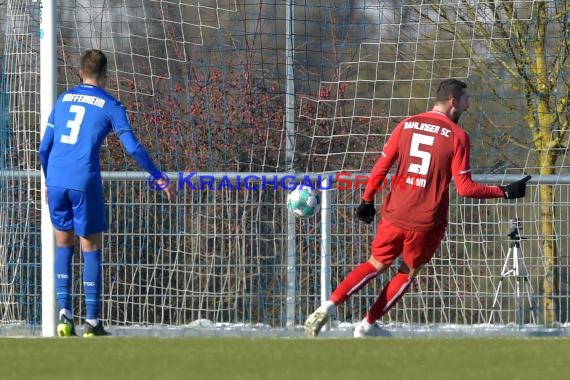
(518, 303)
(519, 312)
(495, 299)
(530, 292)
(505, 271)
(523, 285)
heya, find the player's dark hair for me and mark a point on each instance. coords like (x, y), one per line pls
(449, 88)
(94, 63)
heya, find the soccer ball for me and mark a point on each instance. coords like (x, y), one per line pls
(304, 202)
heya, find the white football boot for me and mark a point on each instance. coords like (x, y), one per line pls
(316, 321)
(366, 330)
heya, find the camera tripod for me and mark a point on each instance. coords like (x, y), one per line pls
(514, 267)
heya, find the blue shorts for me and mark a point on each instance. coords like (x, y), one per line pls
(76, 210)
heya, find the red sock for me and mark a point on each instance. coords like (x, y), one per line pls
(389, 296)
(353, 282)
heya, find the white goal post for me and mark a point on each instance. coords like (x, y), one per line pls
(48, 83)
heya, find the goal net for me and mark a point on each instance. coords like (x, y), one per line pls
(209, 90)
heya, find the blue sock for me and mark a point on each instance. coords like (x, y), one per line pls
(62, 269)
(92, 283)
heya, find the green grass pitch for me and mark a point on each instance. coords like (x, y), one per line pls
(278, 358)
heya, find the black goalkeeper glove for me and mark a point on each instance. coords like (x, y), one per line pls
(366, 212)
(516, 189)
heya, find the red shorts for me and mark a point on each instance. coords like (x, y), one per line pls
(416, 247)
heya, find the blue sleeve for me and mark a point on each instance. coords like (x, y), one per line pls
(122, 128)
(135, 149)
(118, 115)
(46, 144)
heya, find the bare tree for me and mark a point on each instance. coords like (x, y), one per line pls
(530, 44)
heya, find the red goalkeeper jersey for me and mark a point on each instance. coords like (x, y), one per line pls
(430, 150)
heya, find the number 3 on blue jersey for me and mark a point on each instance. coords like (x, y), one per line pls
(73, 124)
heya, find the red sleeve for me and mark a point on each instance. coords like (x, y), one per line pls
(461, 171)
(383, 164)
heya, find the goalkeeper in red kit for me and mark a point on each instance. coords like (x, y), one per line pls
(430, 149)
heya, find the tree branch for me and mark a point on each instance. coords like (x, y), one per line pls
(563, 47)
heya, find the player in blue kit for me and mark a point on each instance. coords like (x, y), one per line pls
(69, 152)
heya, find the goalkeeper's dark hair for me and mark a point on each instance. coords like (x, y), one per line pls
(94, 63)
(449, 88)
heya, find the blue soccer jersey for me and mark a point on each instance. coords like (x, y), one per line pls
(81, 119)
